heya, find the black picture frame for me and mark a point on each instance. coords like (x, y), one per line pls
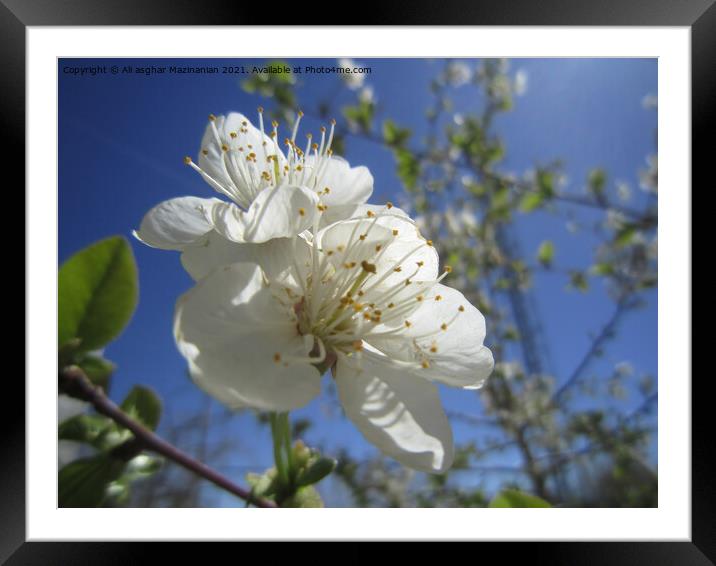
(699, 15)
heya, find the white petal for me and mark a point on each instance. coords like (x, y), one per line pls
(176, 223)
(344, 211)
(397, 411)
(211, 251)
(213, 161)
(231, 328)
(277, 212)
(460, 359)
(346, 184)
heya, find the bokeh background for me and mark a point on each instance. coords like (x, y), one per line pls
(537, 179)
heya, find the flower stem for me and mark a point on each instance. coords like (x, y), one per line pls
(75, 383)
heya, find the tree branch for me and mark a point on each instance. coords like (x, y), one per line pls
(74, 382)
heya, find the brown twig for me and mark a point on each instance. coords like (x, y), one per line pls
(74, 382)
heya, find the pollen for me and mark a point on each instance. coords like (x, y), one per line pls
(370, 214)
(378, 248)
(398, 269)
(205, 151)
(461, 308)
(233, 134)
(425, 364)
(187, 160)
(277, 357)
(438, 297)
(260, 109)
(429, 243)
(326, 191)
(447, 269)
(408, 324)
(443, 326)
(434, 349)
(212, 117)
(363, 236)
(224, 147)
(389, 205)
(395, 232)
(391, 305)
(419, 263)
(358, 345)
(302, 211)
(419, 298)
(369, 267)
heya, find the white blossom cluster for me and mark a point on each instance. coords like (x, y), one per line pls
(297, 274)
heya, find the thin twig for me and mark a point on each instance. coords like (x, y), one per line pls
(74, 381)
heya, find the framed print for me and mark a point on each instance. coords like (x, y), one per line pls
(407, 286)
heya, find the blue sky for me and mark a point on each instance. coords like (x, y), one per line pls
(121, 143)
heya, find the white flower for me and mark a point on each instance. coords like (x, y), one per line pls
(353, 80)
(520, 82)
(362, 297)
(271, 194)
(457, 73)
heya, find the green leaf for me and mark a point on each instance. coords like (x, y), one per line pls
(97, 369)
(89, 429)
(143, 405)
(597, 181)
(625, 235)
(97, 293)
(545, 253)
(514, 498)
(531, 201)
(304, 497)
(316, 471)
(408, 168)
(393, 135)
(83, 483)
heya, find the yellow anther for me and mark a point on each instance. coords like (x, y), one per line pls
(212, 117)
(389, 205)
(419, 263)
(461, 308)
(447, 269)
(433, 349)
(323, 129)
(368, 267)
(187, 160)
(395, 232)
(438, 297)
(260, 109)
(300, 113)
(408, 324)
(419, 298)
(398, 269)
(362, 237)
(378, 248)
(274, 123)
(277, 357)
(443, 326)
(358, 345)
(370, 214)
(429, 243)
(224, 147)
(205, 151)
(233, 134)
(391, 305)
(314, 146)
(425, 364)
(333, 121)
(302, 211)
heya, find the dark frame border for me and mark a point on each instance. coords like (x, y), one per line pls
(700, 15)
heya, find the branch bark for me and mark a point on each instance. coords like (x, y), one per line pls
(74, 382)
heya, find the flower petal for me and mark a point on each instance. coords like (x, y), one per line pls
(233, 131)
(279, 258)
(241, 343)
(177, 223)
(277, 212)
(397, 411)
(346, 184)
(454, 353)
